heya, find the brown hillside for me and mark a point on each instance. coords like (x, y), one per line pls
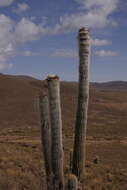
(21, 161)
(18, 98)
(18, 106)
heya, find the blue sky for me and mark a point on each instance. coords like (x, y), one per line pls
(39, 37)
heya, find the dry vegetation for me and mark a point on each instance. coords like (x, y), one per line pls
(21, 159)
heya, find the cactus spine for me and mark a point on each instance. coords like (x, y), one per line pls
(46, 138)
(56, 132)
(83, 95)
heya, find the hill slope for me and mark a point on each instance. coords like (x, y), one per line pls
(111, 85)
(18, 95)
(107, 107)
(21, 160)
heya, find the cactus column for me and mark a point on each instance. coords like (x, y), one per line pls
(83, 95)
(46, 138)
(56, 132)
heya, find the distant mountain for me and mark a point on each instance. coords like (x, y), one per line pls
(111, 84)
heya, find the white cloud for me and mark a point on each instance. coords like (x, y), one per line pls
(7, 44)
(100, 42)
(6, 2)
(94, 14)
(107, 6)
(21, 7)
(14, 34)
(64, 53)
(29, 53)
(4, 66)
(103, 53)
(27, 30)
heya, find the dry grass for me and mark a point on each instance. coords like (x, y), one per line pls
(21, 164)
(22, 167)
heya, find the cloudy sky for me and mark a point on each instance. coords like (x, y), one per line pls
(39, 37)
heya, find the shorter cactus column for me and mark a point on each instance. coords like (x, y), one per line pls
(72, 183)
(46, 138)
(56, 132)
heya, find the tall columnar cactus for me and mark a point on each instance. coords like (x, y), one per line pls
(56, 134)
(46, 138)
(83, 95)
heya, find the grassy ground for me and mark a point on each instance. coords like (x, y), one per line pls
(22, 166)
